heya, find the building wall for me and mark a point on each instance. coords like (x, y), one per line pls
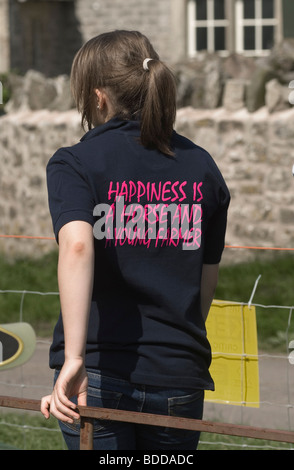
(44, 35)
(151, 17)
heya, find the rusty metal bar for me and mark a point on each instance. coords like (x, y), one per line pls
(190, 424)
(88, 414)
(20, 403)
(86, 435)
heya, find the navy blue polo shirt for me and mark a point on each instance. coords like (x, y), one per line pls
(156, 219)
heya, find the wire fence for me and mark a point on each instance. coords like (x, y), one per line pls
(276, 382)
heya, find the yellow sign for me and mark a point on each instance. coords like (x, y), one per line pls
(231, 330)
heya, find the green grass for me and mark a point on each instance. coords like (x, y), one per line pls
(6, 90)
(20, 431)
(210, 441)
(275, 287)
(37, 275)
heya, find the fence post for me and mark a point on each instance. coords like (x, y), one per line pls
(86, 435)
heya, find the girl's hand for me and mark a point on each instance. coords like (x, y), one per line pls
(72, 381)
(45, 406)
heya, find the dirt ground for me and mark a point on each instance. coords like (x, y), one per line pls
(276, 376)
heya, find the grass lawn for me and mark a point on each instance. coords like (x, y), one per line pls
(275, 287)
(19, 431)
(38, 275)
(210, 441)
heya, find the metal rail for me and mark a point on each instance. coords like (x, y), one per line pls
(88, 414)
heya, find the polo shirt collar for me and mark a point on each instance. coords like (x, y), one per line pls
(114, 123)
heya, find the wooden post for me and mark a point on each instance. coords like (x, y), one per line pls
(86, 435)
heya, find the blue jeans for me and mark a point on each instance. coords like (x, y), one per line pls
(107, 392)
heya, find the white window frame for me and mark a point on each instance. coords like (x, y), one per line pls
(258, 22)
(210, 23)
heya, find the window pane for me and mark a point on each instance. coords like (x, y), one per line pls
(249, 38)
(268, 33)
(268, 9)
(249, 8)
(201, 9)
(201, 34)
(219, 9)
(219, 38)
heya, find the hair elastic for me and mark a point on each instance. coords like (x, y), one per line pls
(145, 63)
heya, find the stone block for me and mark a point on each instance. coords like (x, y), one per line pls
(41, 92)
(238, 66)
(64, 100)
(190, 84)
(213, 82)
(234, 94)
(287, 216)
(276, 96)
(34, 92)
(257, 152)
(255, 93)
(282, 55)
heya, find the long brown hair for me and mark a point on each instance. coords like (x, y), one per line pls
(114, 61)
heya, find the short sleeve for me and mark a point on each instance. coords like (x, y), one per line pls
(69, 193)
(216, 230)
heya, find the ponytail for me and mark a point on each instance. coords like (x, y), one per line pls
(159, 109)
(137, 87)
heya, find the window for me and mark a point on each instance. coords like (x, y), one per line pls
(207, 26)
(249, 27)
(256, 25)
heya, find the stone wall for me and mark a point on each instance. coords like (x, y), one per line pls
(234, 82)
(255, 152)
(205, 82)
(27, 140)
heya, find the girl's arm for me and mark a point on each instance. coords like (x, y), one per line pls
(75, 279)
